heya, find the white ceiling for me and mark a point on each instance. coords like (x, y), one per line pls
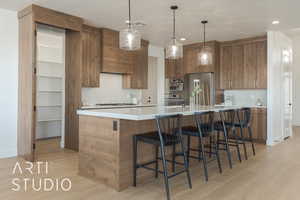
(228, 19)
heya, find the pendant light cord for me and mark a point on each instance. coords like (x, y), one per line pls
(129, 13)
(204, 36)
(173, 24)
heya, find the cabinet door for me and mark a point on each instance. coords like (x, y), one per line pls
(250, 65)
(91, 47)
(190, 60)
(114, 59)
(261, 72)
(237, 75)
(170, 68)
(258, 125)
(138, 79)
(225, 67)
(179, 73)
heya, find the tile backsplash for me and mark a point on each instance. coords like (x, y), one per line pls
(110, 91)
(246, 97)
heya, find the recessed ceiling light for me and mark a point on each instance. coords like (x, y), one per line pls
(183, 39)
(275, 22)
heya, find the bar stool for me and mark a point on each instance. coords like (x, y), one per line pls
(203, 129)
(227, 126)
(244, 118)
(169, 134)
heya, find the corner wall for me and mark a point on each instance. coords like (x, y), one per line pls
(296, 77)
(8, 82)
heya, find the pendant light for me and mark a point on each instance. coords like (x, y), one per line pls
(130, 38)
(205, 55)
(174, 49)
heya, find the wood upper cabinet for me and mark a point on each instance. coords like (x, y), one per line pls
(262, 68)
(91, 56)
(174, 69)
(138, 79)
(114, 59)
(243, 64)
(237, 70)
(226, 66)
(250, 65)
(190, 58)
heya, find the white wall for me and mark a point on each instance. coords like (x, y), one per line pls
(277, 116)
(8, 82)
(296, 76)
(159, 53)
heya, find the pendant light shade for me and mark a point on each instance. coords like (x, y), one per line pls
(174, 48)
(130, 38)
(205, 55)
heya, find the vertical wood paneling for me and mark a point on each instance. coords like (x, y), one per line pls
(73, 88)
(27, 87)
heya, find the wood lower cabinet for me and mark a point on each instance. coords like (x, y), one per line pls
(243, 64)
(139, 77)
(91, 56)
(259, 124)
(114, 59)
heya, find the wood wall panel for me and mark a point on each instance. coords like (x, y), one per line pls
(73, 88)
(27, 87)
(52, 17)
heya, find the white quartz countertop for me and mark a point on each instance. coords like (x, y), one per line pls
(147, 113)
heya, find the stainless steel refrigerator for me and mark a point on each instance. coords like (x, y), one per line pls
(199, 89)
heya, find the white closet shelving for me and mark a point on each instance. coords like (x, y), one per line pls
(50, 82)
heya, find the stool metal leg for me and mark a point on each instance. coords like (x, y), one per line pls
(188, 149)
(134, 160)
(186, 165)
(251, 139)
(244, 143)
(202, 152)
(156, 161)
(218, 157)
(164, 162)
(226, 141)
(174, 158)
(237, 144)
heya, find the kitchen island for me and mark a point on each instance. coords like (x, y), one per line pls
(105, 140)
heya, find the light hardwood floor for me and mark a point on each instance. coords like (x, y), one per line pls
(273, 174)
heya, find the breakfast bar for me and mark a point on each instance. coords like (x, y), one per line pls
(105, 140)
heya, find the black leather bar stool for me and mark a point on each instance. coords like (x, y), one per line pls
(244, 118)
(203, 129)
(169, 134)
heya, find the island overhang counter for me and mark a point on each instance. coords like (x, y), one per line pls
(105, 140)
